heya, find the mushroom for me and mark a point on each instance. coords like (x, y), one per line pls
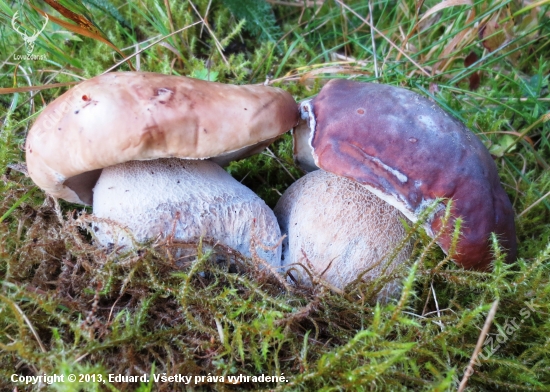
(135, 146)
(409, 152)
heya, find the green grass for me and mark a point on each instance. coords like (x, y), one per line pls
(68, 308)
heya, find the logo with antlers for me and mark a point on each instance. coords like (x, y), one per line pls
(29, 40)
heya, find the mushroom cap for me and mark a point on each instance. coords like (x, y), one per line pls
(408, 151)
(346, 231)
(125, 116)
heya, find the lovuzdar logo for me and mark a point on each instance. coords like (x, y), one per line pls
(29, 39)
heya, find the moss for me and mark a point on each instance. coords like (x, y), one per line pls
(66, 307)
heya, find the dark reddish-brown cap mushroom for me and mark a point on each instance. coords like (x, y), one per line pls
(407, 150)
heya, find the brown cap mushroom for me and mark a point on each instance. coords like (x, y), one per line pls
(408, 151)
(125, 116)
(85, 145)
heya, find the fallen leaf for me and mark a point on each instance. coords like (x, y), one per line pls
(83, 27)
(492, 35)
(443, 5)
(475, 78)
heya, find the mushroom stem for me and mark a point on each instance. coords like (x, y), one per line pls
(187, 199)
(341, 231)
